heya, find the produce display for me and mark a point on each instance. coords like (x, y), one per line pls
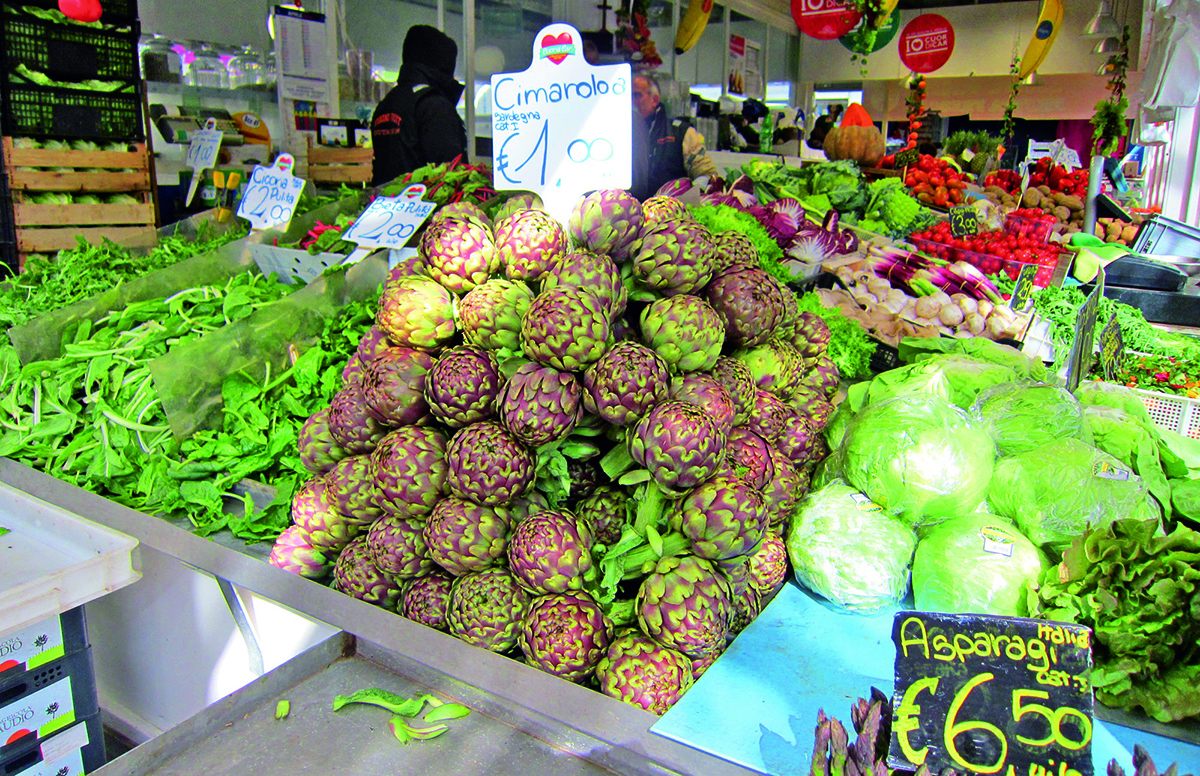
(935, 182)
(991, 251)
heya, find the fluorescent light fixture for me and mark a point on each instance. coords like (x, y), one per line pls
(1103, 24)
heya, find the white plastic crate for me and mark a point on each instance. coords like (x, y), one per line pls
(1175, 413)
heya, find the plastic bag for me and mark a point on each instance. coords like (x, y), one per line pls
(1025, 416)
(1113, 431)
(1002, 564)
(958, 379)
(1056, 492)
(914, 349)
(850, 550)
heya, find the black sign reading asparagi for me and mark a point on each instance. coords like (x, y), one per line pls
(992, 695)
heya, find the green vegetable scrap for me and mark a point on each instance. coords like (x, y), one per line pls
(283, 709)
(1137, 589)
(3, 530)
(405, 709)
(850, 348)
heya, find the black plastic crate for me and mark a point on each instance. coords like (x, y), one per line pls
(118, 13)
(68, 52)
(42, 643)
(60, 751)
(72, 114)
(39, 703)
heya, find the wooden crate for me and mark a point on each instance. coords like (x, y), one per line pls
(49, 228)
(328, 165)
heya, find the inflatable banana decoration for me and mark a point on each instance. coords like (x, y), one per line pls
(1049, 21)
(880, 20)
(692, 25)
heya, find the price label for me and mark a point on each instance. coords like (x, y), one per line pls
(202, 154)
(992, 695)
(1083, 347)
(964, 220)
(1022, 294)
(389, 222)
(1112, 347)
(271, 195)
(907, 158)
(562, 127)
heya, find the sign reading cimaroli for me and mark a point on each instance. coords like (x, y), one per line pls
(562, 127)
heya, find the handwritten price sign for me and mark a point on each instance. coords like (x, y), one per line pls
(964, 220)
(992, 695)
(562, 128)
(389, 222)
(202, 154)
(272, 195)
(1022, 293)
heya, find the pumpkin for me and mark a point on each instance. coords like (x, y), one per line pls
(856, 138)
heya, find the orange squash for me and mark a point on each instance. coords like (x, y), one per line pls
(856, 138)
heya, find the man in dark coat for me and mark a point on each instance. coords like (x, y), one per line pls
(417, 123)
(663, 148)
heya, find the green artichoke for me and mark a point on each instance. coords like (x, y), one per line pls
(540, 405)
(606, 512)
(356, 576)
(705, 392)
(551, 552)
(393, 386)
(684, 604)
(488, 465)
(416, 312)
(426, 599)
(749, 302)
(464, 537)
(679, 443)
(566, 328)
(775, 366)
(733, 249)
(351, 488)
(823, 377)
(460, 253)
(766, 570)
(516, 202)
(520, 509)
(350, 425)
(798, 440)
(490, 315)
(486, 609)
(592, 272)
(626, 382)
(319, 451)
(661, 208)
(723, 517)
(738, 380)
(312, 510)
(685, 331)
(606, 221)
(674, 257)
(641, 672)
(462, 386)
(565, 635)
(293, 551)
(410, 470)
(528, 242)
(396, 546)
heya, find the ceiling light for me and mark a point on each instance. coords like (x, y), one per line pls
(1103, 24)
(1107, 46)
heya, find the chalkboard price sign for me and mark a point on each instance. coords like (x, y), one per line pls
(964, 220)
(992, 695)
(907, 158)
(1023, 291)
(1082, 356)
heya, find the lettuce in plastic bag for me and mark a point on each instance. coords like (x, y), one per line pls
(1056, 492)
(1004, 566)
(1025, 416)
(1116, 433)
(849, 550)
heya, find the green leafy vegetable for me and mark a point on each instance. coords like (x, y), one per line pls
(1025, 416)
(723, 218)
(850, 348)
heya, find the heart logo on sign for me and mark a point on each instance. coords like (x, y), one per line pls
(557, 48)
(415, 191)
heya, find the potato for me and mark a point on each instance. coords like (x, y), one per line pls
(1032, 198)
(1129, 234)
(1062, 214)
(1100, 232)
(1046, 191)
(1072, 201)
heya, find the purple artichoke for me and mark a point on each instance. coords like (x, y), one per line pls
(464, 537)
(674, 257)
(490, 315)
(606, 221)
(736, 378)
(350, 487)
(565, 635)
(410, 470)
(416, 312)
(516, 202)
(293, 551)
(319, 451)
(426, 599)
(585, 477)
(393, 386)
(551, 552)
(823, 378)
(798, 440)
(462, 386)
(488, 465)
(784, 490)
(356, 576)
(724, 517)
(747, 603)
(679, 443)
(660, 208)
(527, 243)
(566, 328)
(396, 545)
(811, 336)
(769, 415)
(463, 209)
(353, 371)
(592, 272)
(746, 450)
(707, 393)
(486, 609)
(641, 672)
(314, 513)
(606, 512)
(733, 249)
(352, 428)
(371, 345)
(460, 253)
(767, 567)
(701, 664)
(685, 331)
(540, 405)
(626, 382)
(775, 366)
(749, 302)
(684, 604)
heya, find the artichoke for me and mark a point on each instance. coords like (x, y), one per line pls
(566, 328)
(551, 552)
(353, 371)
(314, 513)
(733, 249)
(798, 440)
(641, 672)
(393, 386)
(684, 604)
(490, 315)
(371, 345)
(722, 518)
(516, 202)
(784, 490)
(463, 209)
(565, 635)
(350, 487)
(529, 504)
(319, 451)
(625, 383)
(426, 599)
(488, 465)
(460, 253)
(747, 603)
(823, 378)
(527, 243)
(540, 405)
(396, 546)
(749, 302)
(462, 386)
(775, 366)
(747, 455)
(685, 330)
(416, 312)
(659, 208)
(486, 609)
(464, 537)
(592, 272)
(674, 257)
(705, 392)
(293, 551)
(701, 664)
(736, 378)
(356, 576)
(351, 427)
(606, 221)
(811, 336)
(766, 570)
(585, 476)
(679, 443)
(410, 470)
(606, 512)
(769, 415)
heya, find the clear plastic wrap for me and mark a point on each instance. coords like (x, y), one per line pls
(850, 550)
(1025, 416)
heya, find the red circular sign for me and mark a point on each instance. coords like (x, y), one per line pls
(824, 19)
(926, 43)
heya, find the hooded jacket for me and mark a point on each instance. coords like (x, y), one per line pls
(416, 123)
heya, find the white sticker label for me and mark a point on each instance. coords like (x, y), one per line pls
(271, 195)
(996, 541)
(389, 222)
(1106, 471)
(61, 744)
(864, 503)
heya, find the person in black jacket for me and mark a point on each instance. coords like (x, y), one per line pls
(417, 123)
(663, 148)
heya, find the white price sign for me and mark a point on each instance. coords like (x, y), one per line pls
(389, 222)
(562, 127)
(202, 154)
(271, 195)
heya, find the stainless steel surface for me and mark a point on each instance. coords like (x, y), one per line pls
(578, 720)
(1188, 264)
